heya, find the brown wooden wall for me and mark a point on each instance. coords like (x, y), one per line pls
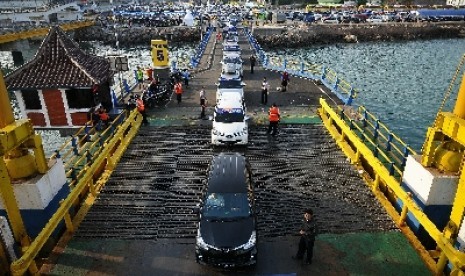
(79, 119)
(38, 119)
(55, 107)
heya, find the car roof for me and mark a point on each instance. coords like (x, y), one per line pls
(228, 174)
(230, 84)
(230, 100)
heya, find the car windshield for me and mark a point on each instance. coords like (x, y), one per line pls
(231, 48)
(226, 206)
(229, 115)
(230, 84)
(235, 60)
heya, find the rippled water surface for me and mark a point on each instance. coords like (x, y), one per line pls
(403, 83)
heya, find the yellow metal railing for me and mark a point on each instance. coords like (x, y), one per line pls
(80, 150)
(305, 69)
(354, 148)
(108, 157)
(385, 145)
(14, 36)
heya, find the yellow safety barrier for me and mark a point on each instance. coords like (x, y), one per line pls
(109, 156)
(10, 37)
(380, 180)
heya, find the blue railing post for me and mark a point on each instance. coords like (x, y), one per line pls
(391, 168)
(336, 83)
(100, 142)
(87, 131)
(302, 67)
(351, 124)
(73, 174)
(88, 156)
(351, 96)
(365, 118)
(323, 72)
(192, 62)
(57, 153)
(404, 158)
(342, 114)
(376, 151)
(389, 141)
(375, 136)
(74, 145)
(126, 86)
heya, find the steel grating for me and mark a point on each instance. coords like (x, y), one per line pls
(161, 177)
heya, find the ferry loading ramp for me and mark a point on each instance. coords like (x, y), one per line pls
(143, 224)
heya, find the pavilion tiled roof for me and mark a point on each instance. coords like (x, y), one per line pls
(59, 63)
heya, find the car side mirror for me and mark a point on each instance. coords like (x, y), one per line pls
(246, 117)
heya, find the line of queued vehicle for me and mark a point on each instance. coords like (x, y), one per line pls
(226, 234)
(229, 119)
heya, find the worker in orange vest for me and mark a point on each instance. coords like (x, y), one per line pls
(104, 117)
(274, 117)
(178, 91)
(141, 108)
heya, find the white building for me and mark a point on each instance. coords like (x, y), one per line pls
(455, 2)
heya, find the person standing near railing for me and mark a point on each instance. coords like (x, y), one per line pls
(141, 108)
(178, 91)
(253, 60)
(284, 81)
(140, 77)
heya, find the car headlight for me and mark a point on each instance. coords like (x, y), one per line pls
(250, 243)
(200, 242)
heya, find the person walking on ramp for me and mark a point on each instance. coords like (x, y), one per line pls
(265, 87)
(253, 60)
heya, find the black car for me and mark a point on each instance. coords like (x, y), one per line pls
(226, 234)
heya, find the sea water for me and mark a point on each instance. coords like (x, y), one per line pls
(402, 83)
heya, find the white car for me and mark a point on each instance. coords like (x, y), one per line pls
(232, 64)
(235, 86)
(231, 49)
(230, 121)
(375, 19)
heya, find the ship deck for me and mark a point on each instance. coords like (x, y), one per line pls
(142, 222)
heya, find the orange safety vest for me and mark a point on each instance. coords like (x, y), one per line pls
(140, 105)
(104, 116)
(274, 114)
(178, 88)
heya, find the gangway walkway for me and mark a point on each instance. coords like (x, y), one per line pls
(142, 222)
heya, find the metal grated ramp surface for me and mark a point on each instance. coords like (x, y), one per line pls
(160, 178)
